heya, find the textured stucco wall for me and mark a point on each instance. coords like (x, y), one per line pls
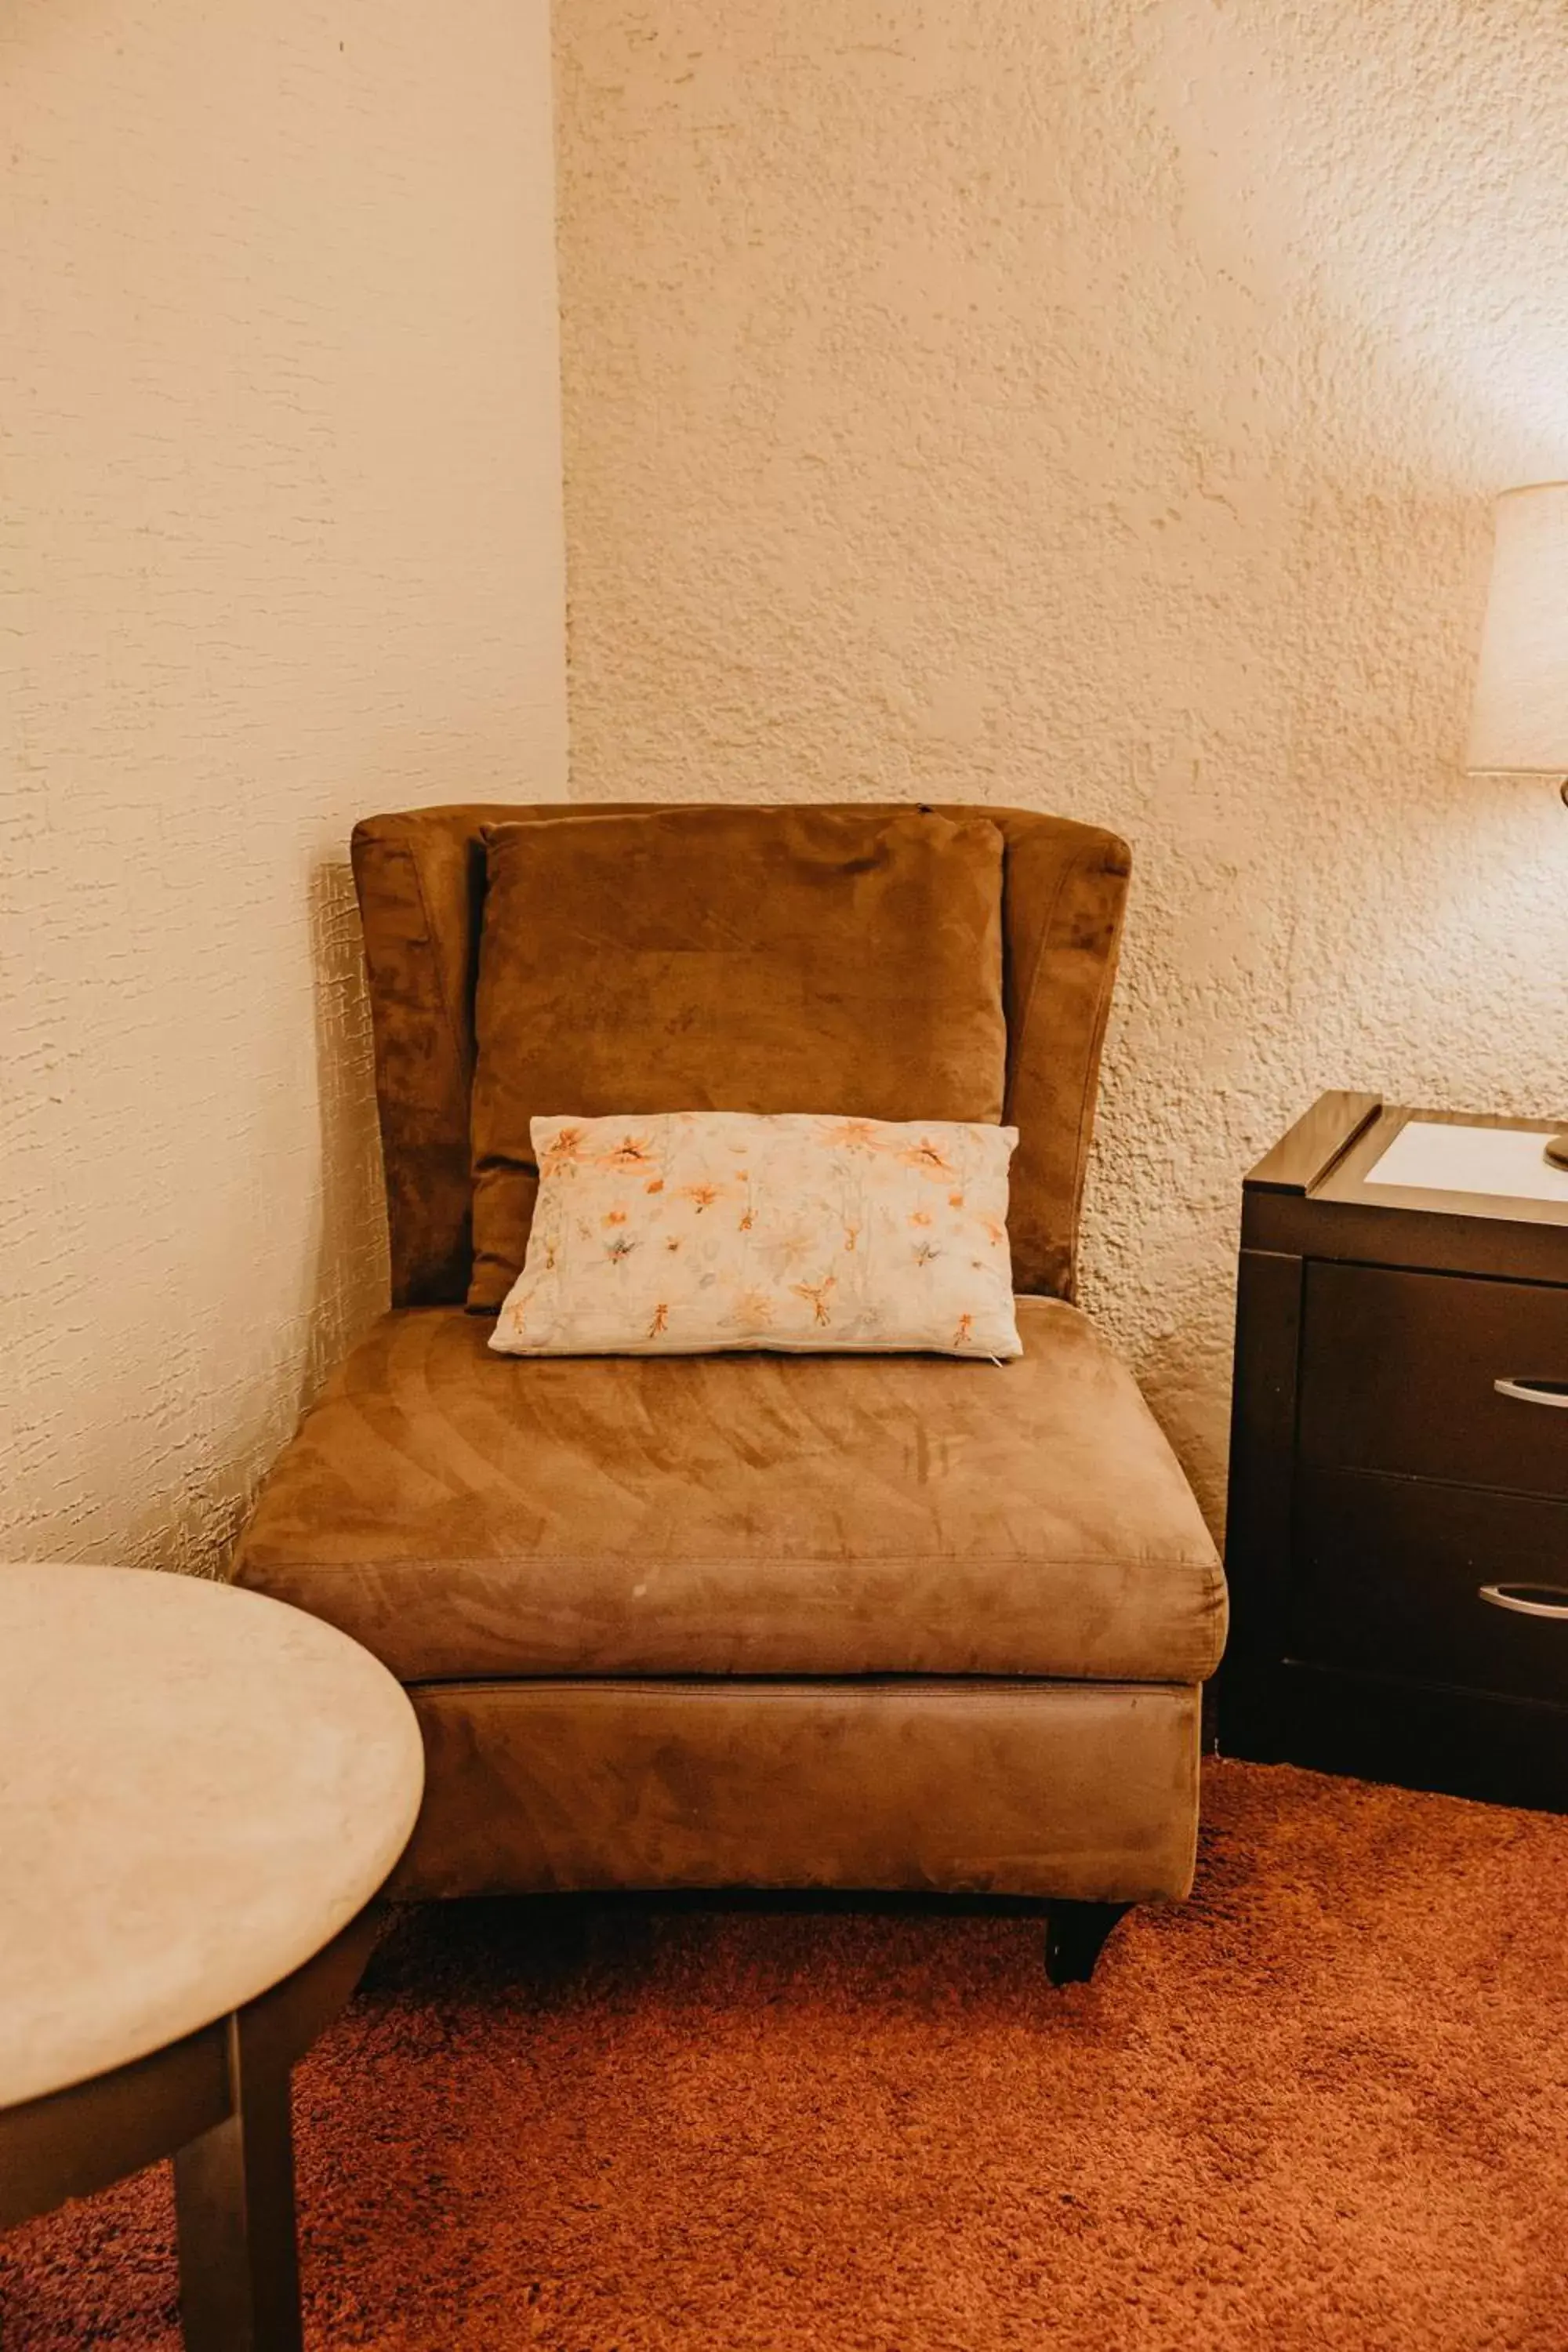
(1095, 405)
(278, 391)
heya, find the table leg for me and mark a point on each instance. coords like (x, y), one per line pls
(234, 2201)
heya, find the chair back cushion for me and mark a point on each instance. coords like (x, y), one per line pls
(846, 961)
(421, 876)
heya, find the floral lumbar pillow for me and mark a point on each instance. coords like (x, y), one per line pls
(694, 1231)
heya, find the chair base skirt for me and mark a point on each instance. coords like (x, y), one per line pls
(1085, 1792)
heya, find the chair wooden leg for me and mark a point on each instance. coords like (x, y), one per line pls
(1075, 1937)
(234, 2203)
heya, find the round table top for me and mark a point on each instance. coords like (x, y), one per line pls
(199, 1787)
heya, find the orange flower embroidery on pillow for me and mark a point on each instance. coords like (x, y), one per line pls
(566, 1151)
(816, 1293)
(925, 1156)
(632, 1152)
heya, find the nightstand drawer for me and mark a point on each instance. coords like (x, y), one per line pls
(1389, 1578)
(1399, 1372)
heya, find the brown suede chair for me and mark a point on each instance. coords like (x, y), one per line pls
(811, 1622)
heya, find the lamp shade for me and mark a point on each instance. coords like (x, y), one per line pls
(1521, 719)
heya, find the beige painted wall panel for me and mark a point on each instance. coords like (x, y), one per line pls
(1096, 406)
(281, 545)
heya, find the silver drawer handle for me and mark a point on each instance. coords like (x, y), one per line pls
(1529, 1599)
(1535, 1392)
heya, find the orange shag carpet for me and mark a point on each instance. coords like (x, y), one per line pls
(1324, 2106)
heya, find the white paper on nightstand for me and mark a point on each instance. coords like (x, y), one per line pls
(1432, 1157)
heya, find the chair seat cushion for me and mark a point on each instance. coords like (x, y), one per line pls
(464, 1514)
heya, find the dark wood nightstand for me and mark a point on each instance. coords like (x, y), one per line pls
(1398, 1531)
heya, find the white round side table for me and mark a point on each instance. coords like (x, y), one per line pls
(202, 1793)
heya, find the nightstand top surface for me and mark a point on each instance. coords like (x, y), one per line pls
(1360, 1178)
(1435, 1154)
